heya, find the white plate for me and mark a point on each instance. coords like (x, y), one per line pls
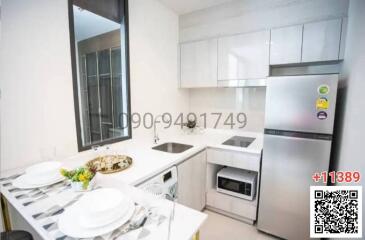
(23, 182)
(88, 223)
(33, 179)
(69, 226)
(44, 168)
(102, 206)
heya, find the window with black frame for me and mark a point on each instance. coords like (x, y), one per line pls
(100, 64)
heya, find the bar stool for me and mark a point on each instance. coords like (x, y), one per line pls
(16, 235)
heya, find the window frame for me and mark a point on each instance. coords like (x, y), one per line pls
(75, 80)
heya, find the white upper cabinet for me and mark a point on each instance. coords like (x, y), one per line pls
(286, 45)
(321, 41)
(198, 64)
(343, 38)
(244, 56)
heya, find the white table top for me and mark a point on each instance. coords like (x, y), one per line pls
(185, 222)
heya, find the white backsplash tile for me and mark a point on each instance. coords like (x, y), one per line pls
(250, 101)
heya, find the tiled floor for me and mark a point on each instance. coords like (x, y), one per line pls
(219, 227)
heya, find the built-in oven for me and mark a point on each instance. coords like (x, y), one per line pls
(237, 182)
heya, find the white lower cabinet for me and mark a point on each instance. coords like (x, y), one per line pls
(234, 159)
(232, 206)
(191, 181)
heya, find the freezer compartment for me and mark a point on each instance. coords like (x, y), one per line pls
(293, 103)
(288, 164)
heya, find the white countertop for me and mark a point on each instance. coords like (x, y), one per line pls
(148, 162)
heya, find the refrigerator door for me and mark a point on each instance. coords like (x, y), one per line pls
(294, 103)
(288, 164)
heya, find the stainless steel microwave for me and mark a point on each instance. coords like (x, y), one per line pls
(237, 182)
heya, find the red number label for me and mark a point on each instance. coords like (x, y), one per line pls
(339, 177)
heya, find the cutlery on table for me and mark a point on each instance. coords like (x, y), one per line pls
(138, 219)
(40, 191)
(35, 200)
(98, 238)
(50, 226)
(172, 216)
(7, 184)
(56, 210)
(15, 189)
(10, 177)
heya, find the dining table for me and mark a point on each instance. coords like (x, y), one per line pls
(41, 208)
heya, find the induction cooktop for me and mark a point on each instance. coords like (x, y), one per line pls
(238, 141)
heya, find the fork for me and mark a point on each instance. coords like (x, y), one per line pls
(138, 219)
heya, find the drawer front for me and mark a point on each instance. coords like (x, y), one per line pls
(231, 204)
(241, 160)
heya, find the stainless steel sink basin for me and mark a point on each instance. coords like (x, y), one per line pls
(172, 147)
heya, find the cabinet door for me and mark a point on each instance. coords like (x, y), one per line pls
(286, 45)
(343, 38)
(191, 181)
(198, 67)
(321, 41)
(244, 56)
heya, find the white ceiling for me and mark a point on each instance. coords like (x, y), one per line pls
(187, 6)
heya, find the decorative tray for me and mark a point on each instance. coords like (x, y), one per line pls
(110, 163)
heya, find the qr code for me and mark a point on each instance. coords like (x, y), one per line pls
(336, 212)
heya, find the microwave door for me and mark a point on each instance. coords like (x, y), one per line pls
(230, 185)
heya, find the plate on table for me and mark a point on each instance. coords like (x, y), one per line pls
(102, 207)
(44, 168)
(69, 225)
(40, 175)
(25, 181)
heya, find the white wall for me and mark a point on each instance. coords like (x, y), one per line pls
(250, 101)
(251, 15)
(350, 128)
(153, 56)
(37, 111)
(353, 85)
(37, 108)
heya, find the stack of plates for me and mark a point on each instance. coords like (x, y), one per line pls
(96, 213)
(39, 175)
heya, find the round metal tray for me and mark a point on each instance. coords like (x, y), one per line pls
(110, 163)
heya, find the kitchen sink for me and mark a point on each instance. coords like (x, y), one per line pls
(172, 147)
(238, 141)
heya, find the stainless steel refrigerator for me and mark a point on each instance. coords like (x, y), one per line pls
(299, 120)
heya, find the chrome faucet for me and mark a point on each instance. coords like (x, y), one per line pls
(155, 135)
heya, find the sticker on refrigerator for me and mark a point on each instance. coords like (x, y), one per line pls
(323, 89)
(322, 115)
(322, 103)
